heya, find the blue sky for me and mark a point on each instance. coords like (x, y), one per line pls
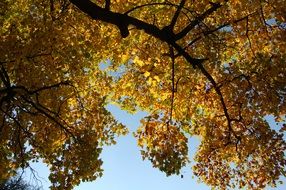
(124, 168)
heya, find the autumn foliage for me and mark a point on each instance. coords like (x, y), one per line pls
(212, 69)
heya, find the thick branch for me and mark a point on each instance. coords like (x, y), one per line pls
(103, 14)
(117, 19)
(123, 20)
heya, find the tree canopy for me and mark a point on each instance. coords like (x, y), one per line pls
(212, 69)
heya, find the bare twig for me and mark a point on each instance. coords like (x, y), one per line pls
(191, 25)
(176, 15)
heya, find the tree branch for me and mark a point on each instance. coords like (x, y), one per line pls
(4, 77)
(217, 89)
(42, 111)
(117, 19)
(176, 15)
(98, 13)
(152, 4)
(173, 83)
(51, 86)
(107, 4)
(187, 29)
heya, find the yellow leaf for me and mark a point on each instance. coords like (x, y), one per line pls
(138, 62)
(146, 74)
(124, 58)
(157, 78)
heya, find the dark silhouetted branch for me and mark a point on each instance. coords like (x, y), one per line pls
(191, 25)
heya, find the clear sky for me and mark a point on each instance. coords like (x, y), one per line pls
(124, 168)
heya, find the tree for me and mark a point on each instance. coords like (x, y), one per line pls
(16, 183)
(212, 69)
